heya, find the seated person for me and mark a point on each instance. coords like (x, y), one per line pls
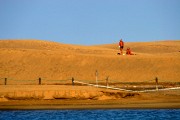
(128, 51)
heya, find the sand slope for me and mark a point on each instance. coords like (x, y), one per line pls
(31, 59)
(82, 97)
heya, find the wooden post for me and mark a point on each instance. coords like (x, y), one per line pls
(39, 81)
(72, 81)
(96, 78)
(156, 80)
(5, 81)
(107, 84)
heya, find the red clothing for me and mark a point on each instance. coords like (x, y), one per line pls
(121, 43)
(128, 52)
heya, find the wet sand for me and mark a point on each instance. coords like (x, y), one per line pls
(85, 104)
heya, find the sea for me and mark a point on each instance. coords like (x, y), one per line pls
(106, 114)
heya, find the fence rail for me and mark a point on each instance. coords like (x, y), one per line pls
(144, 85)
(38, 81)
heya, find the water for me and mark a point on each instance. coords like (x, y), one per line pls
(118, 114)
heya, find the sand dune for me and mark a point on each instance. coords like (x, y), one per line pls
(27, 60)
(31, 59)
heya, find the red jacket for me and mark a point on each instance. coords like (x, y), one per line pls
(121, 43)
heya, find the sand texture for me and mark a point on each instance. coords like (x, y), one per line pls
(31, 59)
(23, 62)
(82, 97)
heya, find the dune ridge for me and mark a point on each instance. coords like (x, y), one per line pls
(31, 59)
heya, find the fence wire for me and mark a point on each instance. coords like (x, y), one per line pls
(146, 85)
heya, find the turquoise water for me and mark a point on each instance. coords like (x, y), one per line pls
(117, 114)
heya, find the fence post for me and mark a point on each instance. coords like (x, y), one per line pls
(107, 84)
(156, 80)
(5, 81)
(72, 81)
(96, 78)
(39, 81)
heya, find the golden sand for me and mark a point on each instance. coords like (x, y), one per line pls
(22, 61)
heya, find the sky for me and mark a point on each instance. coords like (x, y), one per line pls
(90, 22)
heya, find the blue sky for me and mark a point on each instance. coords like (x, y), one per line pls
(89, 22)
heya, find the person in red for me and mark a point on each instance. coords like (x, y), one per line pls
(121, 46)
(128, 51)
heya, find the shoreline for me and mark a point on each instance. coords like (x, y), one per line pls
(88, 104)
(47, 107)
(83, 97)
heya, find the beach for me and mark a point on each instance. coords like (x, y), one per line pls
(36, 74)
(84, 97)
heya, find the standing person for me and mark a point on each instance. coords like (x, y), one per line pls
(121, 46)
